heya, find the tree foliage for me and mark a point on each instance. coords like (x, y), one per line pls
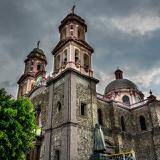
(17, 127)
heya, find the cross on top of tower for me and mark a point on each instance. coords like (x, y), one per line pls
(74, 6)
(38, 43)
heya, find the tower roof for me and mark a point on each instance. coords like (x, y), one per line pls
(73, 17)
(37, 53)
(120, 83)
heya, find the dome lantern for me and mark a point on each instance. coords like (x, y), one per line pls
(118, 74)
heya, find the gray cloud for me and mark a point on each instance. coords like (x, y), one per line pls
(23, 23)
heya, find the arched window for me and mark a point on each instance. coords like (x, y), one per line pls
(39, 120)
(39, 67)
(58, 62)
(126, 100)
(76, 56)
(59, 106)
(31, 69)
(71, 26)
(32, 85)
(65, 57)
(123, 124)
(71, 29)
(79, 34)
(86, 62)
(21, 91)
(64, 33)
(100, 117)
(71, 33)
(38, 114)
(142, 123)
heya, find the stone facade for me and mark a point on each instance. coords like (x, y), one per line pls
(68, 107)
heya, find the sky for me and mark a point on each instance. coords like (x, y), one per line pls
(123, 33)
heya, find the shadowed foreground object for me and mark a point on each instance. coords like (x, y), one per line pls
(99, 144)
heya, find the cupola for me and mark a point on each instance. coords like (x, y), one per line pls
(72, 50)
(34, 72)
(123, 90)
(118, 74)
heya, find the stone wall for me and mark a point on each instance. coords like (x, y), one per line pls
(40, 98)
(146, 144)
(56, 142)
(106, 112)
(58, 97)
(85, 143)
(55, 120)
(85, 93)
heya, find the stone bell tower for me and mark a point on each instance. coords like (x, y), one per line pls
(73, 51)
(72, 109)
(35, 71)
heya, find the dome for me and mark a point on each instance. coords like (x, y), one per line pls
(38, 50)
(73, 17)
(120, 84)
(37, 53)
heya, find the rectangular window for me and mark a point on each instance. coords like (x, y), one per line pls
(57, 155)
(39, 67)
(83, 109)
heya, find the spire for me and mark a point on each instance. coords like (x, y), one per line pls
(118, 74)
(150, 92)
(38, 44)
(73, 8)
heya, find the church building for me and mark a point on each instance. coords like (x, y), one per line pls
(68, 106)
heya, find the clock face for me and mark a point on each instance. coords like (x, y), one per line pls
(38, 80)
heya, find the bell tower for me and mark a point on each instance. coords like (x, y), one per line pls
(34, 72)
(72, 108)
(72, 50)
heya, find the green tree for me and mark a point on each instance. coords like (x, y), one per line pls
(17, 127)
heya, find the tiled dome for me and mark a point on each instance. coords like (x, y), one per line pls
(120, 84)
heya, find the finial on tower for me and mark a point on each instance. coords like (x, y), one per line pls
(150, 92)
(38, 44)
(74, 6)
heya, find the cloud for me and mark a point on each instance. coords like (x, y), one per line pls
(148, 78)
(137, 24)
(123, 33)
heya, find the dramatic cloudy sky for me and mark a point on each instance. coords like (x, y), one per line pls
(124, 33)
